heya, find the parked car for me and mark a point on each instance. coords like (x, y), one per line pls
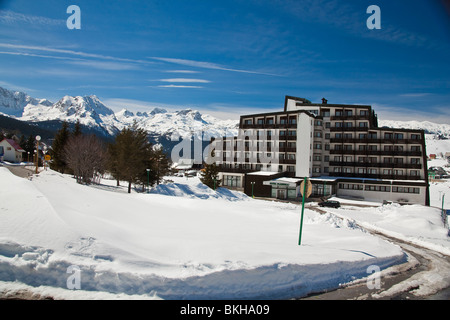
(330, 203)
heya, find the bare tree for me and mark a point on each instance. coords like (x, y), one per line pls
(85, 155)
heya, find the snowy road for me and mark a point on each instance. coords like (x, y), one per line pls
(425, 276)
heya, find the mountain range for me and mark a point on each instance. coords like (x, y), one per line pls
(95, 116)
(163, 127)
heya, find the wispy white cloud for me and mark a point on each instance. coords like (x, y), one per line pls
(11, 17)
(178, 86)
(178, 80)
(70, 52)
(181, 71)
(414, 95)
(206, 65)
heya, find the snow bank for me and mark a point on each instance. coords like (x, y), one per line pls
(198, 190)
(183, 241)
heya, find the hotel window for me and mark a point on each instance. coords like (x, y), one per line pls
(363, 124)
(338, 136)
(398, 172)
(326, 169)
(398, 136)
(292, 120)
(415, 136)
(338, 124)
(317, 146)
(327, 146)
(260, 121)
(318, 123)
(338, 113)
(348, 113)
(363, 112)
(281, 156)
(292, 132)
(283, 120)
(414, 173)
(326, 158)
(270, 121)
(317, 158)
(290, 168)
(387, 171)
(327, 136)
(372, 135)
(337, 169)
(387, 160)
(348, 147)
(415, 160)
(327, 124)
(316, 169)
(405, 190)
(415, 148)
(362, 136)
(362, 170)
(347, 170)
(398, 148)
(348, 136)
(291, 156)
(282, 133)
(291, 145)
(372, 148)
(398, 160)
(373, 171)
(248, 121)
(388, 135)
(348, 124)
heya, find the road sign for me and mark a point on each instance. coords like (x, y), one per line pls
(308, 188)
(47, 157)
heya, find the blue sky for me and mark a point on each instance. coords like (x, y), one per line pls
(232, 57)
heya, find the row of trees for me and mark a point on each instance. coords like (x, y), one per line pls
(128, 158)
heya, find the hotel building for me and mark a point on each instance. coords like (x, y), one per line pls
(340, 148)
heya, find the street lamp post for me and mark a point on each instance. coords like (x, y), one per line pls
(148, 179)
(253, 183)
(38, 138)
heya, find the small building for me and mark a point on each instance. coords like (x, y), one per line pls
(432, 156)
(11, 151)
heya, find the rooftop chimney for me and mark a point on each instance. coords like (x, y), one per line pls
(324, 101)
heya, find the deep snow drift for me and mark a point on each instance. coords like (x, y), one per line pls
(182, 241)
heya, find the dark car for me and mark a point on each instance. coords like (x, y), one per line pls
(330, 203)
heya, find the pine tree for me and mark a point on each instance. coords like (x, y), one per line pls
(160, 165)
(58, 160)
(130, 156)
(210, 176)
(77, 129)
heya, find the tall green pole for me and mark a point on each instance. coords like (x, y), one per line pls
(303, 208)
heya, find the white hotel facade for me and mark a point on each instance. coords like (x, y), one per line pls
(340, 148)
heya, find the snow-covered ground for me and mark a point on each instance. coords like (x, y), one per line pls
(185, 241)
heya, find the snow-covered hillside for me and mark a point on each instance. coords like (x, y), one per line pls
(91, 112)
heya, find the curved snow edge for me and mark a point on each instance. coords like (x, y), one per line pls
(278, 281)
